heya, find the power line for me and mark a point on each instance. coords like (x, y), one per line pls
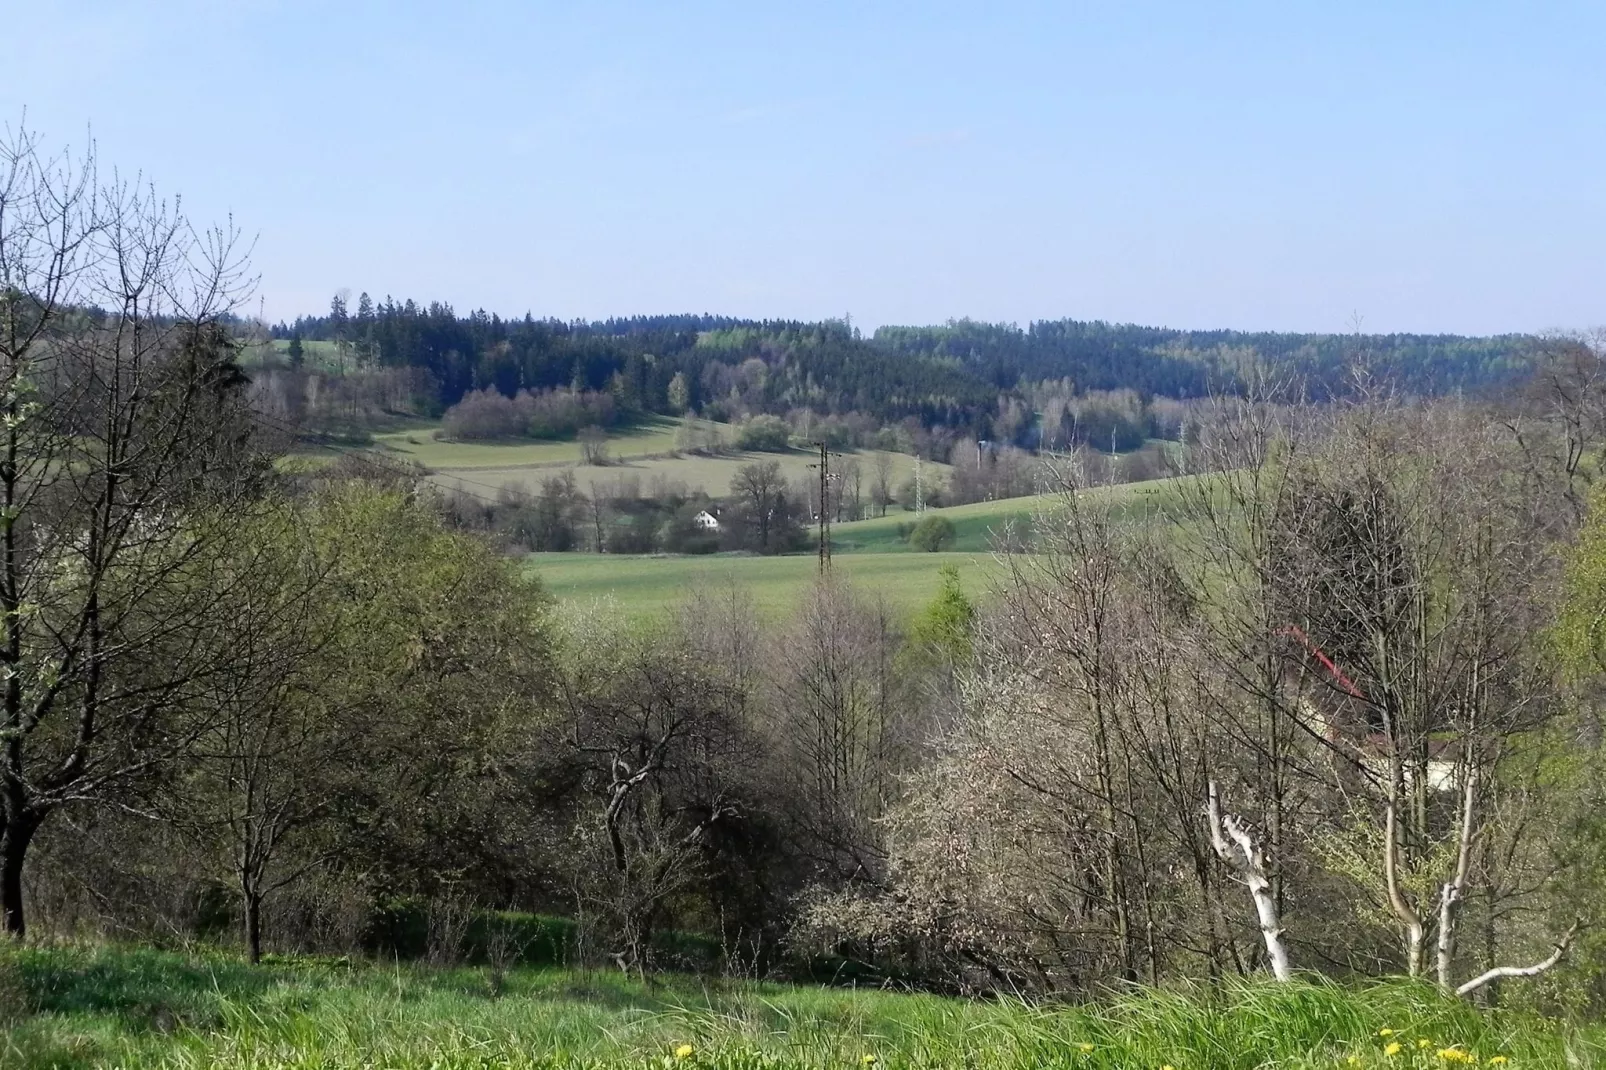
(826, 476)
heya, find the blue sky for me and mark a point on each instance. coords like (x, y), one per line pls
(1427, 166)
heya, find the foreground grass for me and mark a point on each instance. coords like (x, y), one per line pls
(137, 1009)
(645, 585)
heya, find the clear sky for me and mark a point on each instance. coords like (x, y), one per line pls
(1285, 165)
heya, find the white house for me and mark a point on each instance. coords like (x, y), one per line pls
(706, 521)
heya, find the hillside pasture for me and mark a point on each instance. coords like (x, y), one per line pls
(642, 586)
(978, 525)
(650, 438)
(711, 475)
(324, 355)
(645, 453)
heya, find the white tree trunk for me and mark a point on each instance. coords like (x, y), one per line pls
(1244, 857)
(1452, 891)
(1500, 972)
(1415, 931)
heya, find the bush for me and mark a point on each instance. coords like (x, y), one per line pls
(594, 445)
(400, 929)
(562, 412)
(763, 433)
(933, 533)
(486, 414)
(483, 414)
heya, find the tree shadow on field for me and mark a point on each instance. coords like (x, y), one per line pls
(149, 990)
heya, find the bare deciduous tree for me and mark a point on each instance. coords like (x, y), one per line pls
(656, 737)
(594, 445)
(123, 457)
(881, 483)
(840, 729)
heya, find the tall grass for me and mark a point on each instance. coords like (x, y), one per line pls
(141, 1008)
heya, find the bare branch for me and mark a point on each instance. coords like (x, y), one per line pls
(1501, 972)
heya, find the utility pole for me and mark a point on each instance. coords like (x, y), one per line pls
(824, 465)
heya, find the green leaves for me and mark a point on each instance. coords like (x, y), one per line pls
(949, 622)
(1580, 632)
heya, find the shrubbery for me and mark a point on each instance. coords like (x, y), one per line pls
(763, 433)
(487, 414)
(932, 533)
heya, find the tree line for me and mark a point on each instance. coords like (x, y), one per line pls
(961, 376)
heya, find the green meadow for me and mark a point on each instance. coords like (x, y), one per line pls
(647, 584)
(873, 555)
(142, 1009)
(711, 475)
(979, 525)
(646, 452)
(647, 439)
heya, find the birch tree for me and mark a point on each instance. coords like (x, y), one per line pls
(1424, 582)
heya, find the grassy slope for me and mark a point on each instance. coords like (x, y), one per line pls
(644, 452)
(870, 553)
(316, 354)
(642, 585)
(976, 524)
(145, 1009)
(710, 474)
(652, 437)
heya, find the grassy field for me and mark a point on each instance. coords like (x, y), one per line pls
(870, 553)
(316, 354)
(140, 1009)
(645, 452)
(643, 585)
(649, 438)
(710, 474)
(975, 525)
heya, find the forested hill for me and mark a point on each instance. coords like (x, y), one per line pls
(1176, 363)
(947, 375)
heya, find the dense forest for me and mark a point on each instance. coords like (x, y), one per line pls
(958, 376)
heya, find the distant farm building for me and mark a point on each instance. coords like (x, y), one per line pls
(706, 521)
(1338, 712)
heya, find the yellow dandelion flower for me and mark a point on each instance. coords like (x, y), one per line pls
(1168, 1066)
(683, 1052)
(1385, 1032)
(1424, 1044)
(1454, 1054)
(1354, 1060)
(1084, 1047)
(1393, 1048)
(1498, 1060)
(868, 1060)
